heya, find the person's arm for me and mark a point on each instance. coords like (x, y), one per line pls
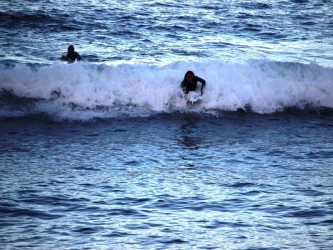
(79, 58)
(203, 83)
(67, 57)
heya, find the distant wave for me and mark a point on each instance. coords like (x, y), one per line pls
(83, 91)
(22, 18)
(38, 20)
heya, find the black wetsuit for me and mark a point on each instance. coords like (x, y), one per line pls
(187, 87)
(72, 56)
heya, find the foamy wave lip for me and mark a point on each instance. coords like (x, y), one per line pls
(84, 90)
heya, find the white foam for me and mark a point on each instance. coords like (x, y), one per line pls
(265, 86)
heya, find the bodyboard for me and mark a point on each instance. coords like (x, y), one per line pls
(193, 97)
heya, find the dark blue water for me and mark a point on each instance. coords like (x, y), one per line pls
(173, 182)
(106, 154)
(167, 31)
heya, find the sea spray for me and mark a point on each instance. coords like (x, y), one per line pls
(92, 90)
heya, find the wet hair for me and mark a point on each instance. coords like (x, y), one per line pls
(187, 73)
(70, 48)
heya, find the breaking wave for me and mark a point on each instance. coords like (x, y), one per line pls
(84, 91)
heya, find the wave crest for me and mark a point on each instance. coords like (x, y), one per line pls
(85, 91)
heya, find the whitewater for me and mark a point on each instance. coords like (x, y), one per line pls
(106, 153)
(85, 91)
(258, 56)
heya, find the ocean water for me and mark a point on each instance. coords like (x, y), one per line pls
(105, 153)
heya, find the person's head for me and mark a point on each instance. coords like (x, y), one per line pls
(189, 76)
(70, 48)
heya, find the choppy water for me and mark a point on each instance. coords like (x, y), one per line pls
(105, 154)
(165, 31)
(241, 182)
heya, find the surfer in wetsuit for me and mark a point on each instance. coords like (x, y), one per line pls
(72, 55)
(190, 82)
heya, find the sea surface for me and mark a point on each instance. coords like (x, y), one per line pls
(106, 153)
